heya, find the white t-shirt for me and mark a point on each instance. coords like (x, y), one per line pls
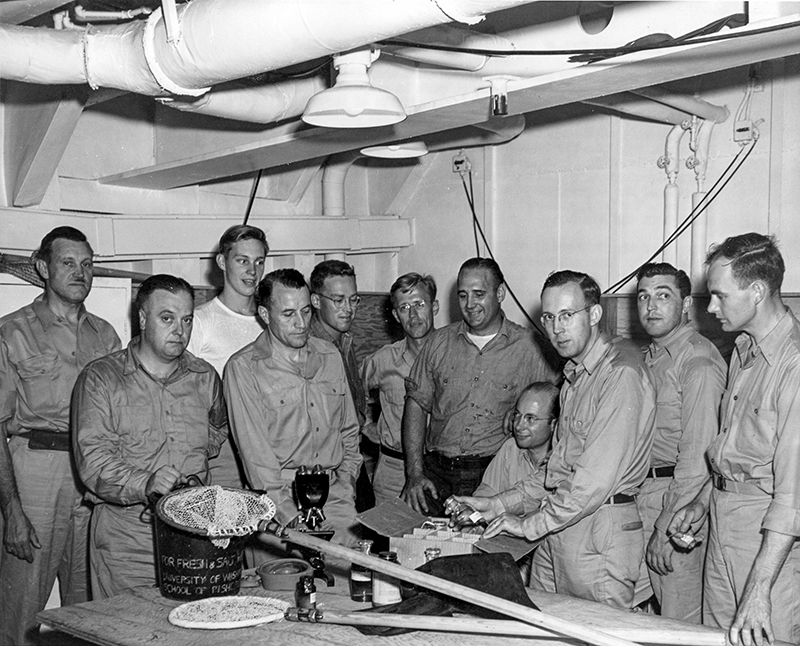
(481, 341)
(218, 332)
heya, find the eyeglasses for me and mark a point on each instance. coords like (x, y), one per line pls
(530, 419)
(417, 306)
(339, 301)
(564, 318)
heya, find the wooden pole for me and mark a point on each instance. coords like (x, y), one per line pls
(474, 625)
(509, 608)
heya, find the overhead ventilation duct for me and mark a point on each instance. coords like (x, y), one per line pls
(221, 40)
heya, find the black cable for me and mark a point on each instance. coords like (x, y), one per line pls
(695, 213)
(476, 225)
(252, 196)
(611, 51)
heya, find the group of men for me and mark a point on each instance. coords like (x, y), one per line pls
(636, 451)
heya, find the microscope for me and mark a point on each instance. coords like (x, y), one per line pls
(311, 492)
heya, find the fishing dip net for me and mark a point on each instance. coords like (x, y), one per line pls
(216, 512)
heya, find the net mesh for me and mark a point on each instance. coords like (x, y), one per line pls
(216, 511)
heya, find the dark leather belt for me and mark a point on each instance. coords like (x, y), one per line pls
(719, 482)
(397, 455)
(619, 499)
(462, 461)
(661, 472)
(47, 440)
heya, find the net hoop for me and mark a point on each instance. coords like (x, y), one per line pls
(200, 503)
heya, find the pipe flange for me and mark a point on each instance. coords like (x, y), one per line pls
(148, 41)
(451, 10)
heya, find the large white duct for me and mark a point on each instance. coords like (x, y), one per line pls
(222, 40)
(259, 104)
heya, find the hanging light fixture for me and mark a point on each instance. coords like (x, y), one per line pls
(407, 150)
(353, 102)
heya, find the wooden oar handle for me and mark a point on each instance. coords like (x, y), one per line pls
(513, 610)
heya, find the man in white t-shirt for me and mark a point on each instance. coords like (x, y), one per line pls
(228, 323)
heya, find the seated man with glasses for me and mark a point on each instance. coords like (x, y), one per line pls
(414, 305)
(593, 538)
(334, 296)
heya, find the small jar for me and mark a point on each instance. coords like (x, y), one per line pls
(305, 595)
(385, 588)
(361, 577)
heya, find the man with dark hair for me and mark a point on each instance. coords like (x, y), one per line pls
(414, 305)
(290, 406)
(229, 322)
(43, 347)
(592, 531)
(467, 377)
(689, 376)
(753, 496)
(144, 419)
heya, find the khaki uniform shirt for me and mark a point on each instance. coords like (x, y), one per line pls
(285, 416)
(513, 475)
(603, 438)
(759, 443)
(689, 375)
(386, 371)
(128, 423)
(347, 350)
(467, 391)
(40, 358)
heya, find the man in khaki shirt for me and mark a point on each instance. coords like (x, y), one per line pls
(753, 497)
(43, 347)
(689, 376)
(290, 406)
(601, 452)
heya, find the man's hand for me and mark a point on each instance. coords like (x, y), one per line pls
(659, 553)
(505, 523)
(163, 480)
(414, 492)
(752, 621)
(685, 517)
(459, 508)
(19, 536)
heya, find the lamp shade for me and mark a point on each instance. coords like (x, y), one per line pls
(353, 106)
(407, 150)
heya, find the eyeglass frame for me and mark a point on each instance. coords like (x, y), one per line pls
(339, 301)
(564, 317)
(417, 306)
(517, 415)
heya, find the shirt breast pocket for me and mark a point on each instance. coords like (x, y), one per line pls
(334, 394)
(40, 376)
(758, 434)
(195, 422)
(137, 437)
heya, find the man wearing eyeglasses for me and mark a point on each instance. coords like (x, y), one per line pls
(689, 375)
(414, 305)
(466, 378)
(334, 296)
(593, 540)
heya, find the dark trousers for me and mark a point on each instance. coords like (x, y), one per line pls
(452, 477)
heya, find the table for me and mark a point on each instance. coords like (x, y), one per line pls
(139, 618)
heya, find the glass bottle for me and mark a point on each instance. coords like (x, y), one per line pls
(432, 553)
(385, 588)
(361, 577)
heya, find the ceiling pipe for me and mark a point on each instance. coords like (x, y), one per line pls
(685, 103)
(222, 40)
(670, 162)
(254, 104)
(699, 162)
(642, 108)
(333, 176)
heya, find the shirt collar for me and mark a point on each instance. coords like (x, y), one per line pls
(771, 346)
(675, 338)
(596, 353)
(263, 349)
(319, 330)
(187, 362)
(48, 318)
